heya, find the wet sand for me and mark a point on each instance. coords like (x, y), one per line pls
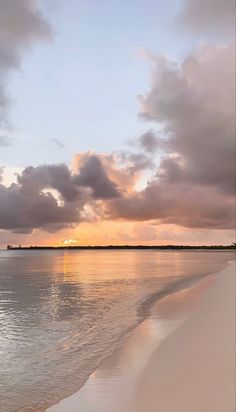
(180, 359)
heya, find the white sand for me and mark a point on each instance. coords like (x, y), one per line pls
(181, 360)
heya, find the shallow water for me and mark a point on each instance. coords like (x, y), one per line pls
(63, 312)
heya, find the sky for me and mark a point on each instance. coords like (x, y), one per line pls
(117, 122)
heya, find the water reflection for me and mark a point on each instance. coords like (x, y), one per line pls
(118, 373)
(62, 313)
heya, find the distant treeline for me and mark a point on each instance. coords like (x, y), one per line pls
(124, 247)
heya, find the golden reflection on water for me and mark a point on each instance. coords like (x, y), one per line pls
(89, 266)
(66, 263)
(65, 311)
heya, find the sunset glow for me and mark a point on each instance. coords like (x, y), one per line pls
(130, 142)
(117, 205)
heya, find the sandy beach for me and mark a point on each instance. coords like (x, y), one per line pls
(180, 359)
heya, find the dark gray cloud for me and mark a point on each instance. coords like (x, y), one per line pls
(22, 212)
(21, 24)
(28, 204)
(209, 16)
(149, 141)
(93, 175)
(31, 203)
(194, 185)
(134, 163)
(58, 177)
(195, 102)
(181, 204)
(123, 168)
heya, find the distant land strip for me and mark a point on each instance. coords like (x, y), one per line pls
(125, 247)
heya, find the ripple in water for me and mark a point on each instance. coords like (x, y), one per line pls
(63, 312)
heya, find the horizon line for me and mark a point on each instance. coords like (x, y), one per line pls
(126, 246)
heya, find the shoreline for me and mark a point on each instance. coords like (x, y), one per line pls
(125, 247)
(116, 381)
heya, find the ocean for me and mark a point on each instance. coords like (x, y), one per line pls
(63, 312)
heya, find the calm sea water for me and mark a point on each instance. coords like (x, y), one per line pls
(63, 312)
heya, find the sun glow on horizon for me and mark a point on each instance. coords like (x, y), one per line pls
(68, 242)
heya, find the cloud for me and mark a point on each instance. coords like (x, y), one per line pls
(93, 175)
(149, 141)
(209, 16)
(22, 212)
(134, 163)
(181, 204)
(195, 103)
(21, 25)
(183, 189)
(58, 177)
(29, 204)
(50, 197)
(194, 185)
(123, 168)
